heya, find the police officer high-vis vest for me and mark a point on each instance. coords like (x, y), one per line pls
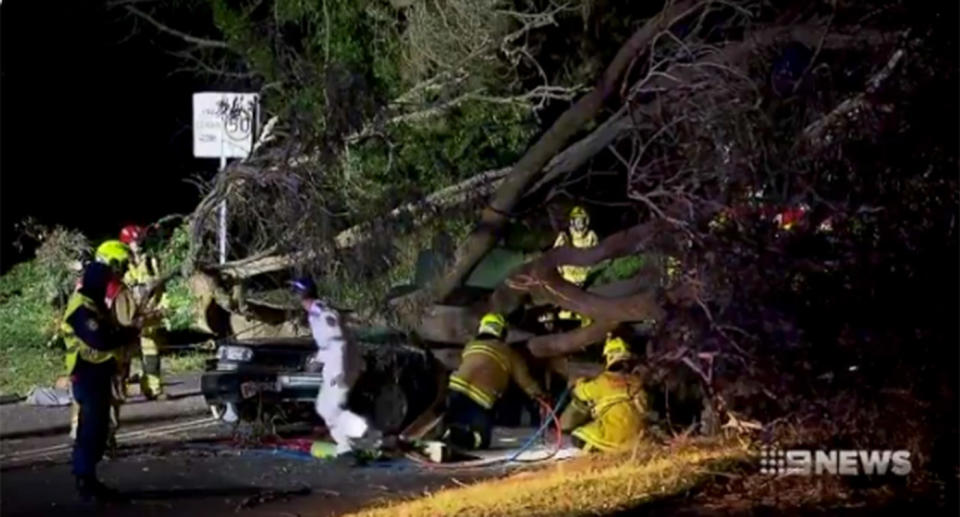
(83, 317)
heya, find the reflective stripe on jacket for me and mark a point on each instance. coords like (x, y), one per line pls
(141, 272)
(617, 404)
(576, 275)
(485, 371)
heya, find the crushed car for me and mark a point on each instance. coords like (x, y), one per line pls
(277, 380)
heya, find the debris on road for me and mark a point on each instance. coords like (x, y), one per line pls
(49, 397)
(271, 496)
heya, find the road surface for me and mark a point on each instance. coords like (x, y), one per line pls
(185, 464)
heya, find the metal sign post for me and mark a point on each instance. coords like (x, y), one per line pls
(222, 223)
(223, 127)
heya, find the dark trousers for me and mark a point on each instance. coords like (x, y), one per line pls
(91, 390)
(466, 420)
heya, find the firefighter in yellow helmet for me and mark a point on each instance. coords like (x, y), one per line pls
(139, 278)
(578, 235)
(93, 341)
(607, 412)
(487, 366)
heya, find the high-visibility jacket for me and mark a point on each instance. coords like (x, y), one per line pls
(616, 403)
(486, 367)
(89, 333)
(123, 310)
(142, 271)
(576, 275)
(139, 277)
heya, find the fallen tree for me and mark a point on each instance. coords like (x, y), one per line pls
(496, 214)
(801, 208)
(730, 59)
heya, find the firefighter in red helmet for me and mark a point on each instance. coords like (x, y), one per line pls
(140, 277)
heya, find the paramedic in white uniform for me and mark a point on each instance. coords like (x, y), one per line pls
(341, 367)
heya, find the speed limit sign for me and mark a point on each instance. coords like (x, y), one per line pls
(224, 124)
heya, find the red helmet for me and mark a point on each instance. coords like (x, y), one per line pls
(132, 233)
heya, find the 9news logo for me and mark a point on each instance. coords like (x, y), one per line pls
(802, 462)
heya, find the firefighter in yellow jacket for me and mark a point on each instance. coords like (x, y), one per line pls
(93, 342)
(139, 277)
(487, 366)
(607, 412)
(578, 235)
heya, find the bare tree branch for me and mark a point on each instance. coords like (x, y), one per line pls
(201, 42)
(850, 109)
(476, 186)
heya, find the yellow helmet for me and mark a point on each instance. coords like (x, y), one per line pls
(113, 253)
(579, 220)
(578, 212)
(615, 350)
(492, 323)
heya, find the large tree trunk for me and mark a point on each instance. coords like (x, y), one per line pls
(457, 325)
(629, 300)
(554, 345)
(495, 215)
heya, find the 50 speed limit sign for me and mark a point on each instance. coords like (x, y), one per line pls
(224, 124)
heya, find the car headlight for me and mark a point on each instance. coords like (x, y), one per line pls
(234, 353)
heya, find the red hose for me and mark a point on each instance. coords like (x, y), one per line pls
(556, 425)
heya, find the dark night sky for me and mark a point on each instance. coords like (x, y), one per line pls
(95, 129)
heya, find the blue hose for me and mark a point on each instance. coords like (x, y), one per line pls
(282, 453)
(543, 426)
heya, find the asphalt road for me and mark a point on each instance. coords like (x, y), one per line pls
(183, 467)
(174, 459)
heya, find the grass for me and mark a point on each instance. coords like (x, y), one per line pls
(185, 362)
(592, 485)
(29, 367)
(23, 368)
(27, 322)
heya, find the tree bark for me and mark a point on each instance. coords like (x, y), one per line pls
(494, 216)
(457, 325)
(553, 345)
(607, 305)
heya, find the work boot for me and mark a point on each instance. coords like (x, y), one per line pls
(151, 386)
(89, 488)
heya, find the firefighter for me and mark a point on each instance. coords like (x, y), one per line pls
(93, 342)
(342, 365)
(139, 277)
(486, 367)
(577, 235)
(607, 412)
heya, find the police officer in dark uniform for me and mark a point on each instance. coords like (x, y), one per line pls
(93, 341)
